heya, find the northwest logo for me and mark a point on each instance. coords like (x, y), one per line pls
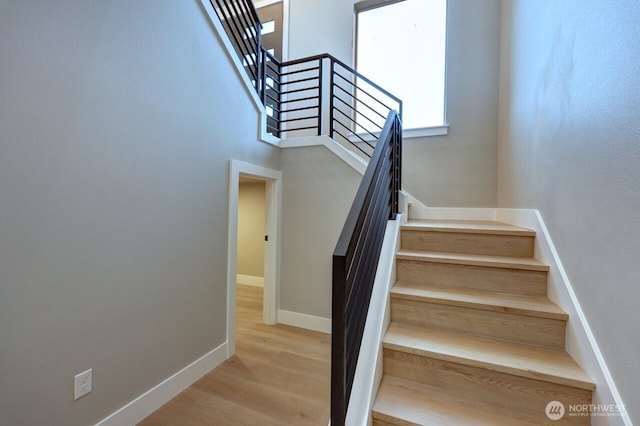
(554, 410)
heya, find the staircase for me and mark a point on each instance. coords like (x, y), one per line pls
(473, 339)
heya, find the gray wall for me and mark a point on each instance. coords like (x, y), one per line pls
(318, 189)
(569, 146)
(117, 121)
(457, 170)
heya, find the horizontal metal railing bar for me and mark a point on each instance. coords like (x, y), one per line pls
(304, 89)
(297, 129)
(363, 91)
(316, 106)
(356, 128)
(275, 109)
(344, 66)
(359, 113)
(302, 80)
(361, 102)
(271, 63)
(288, 101)
(288, 73)
(268, 96)
(356, 73)
(361, 125)
(346, 138)
(355, 134)
(277, 91)
(309, 117)
(357, 125)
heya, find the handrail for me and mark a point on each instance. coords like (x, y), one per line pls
(356, 257)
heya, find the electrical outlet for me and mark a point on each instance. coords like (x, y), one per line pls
(83, 384)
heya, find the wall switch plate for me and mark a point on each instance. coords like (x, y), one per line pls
(83, 384)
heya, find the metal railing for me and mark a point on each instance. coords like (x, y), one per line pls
(320, 95)
(317, 95)
(355, 260)
(242, 24)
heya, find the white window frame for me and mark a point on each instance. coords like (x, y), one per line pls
(441, 130)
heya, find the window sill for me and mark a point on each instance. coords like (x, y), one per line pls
(425, 132)
(422, 132)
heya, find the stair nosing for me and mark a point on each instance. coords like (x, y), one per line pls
(460, 297)
(465, 358)
(503, 262)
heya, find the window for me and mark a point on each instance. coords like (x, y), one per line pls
(401, 46)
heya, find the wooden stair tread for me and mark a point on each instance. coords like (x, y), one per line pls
(473, 260)
(537, 306)
(467, 226)
(522, 360)
(403, 402)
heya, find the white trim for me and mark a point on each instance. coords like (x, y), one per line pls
(250, 280)
(145, 404)
(581, 343)
(273, 180)
(263, 135)
(424, 132)
(356, 162)
(305, 321)
(365, 384)
(417, 210)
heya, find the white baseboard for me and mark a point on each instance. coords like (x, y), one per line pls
(250, 280)
(308, 322)
(141, 407)
(418, 210)
(581, 343)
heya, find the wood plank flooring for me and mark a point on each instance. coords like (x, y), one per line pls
(280, 375)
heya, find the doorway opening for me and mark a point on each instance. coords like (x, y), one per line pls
(271, 182)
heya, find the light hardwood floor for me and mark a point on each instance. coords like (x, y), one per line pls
(280, 375)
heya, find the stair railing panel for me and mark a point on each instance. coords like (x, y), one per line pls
(241, 23)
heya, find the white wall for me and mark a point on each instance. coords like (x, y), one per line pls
(251, 228)
(117, 121)
(318, 190)
(457, 170)
(569, 132)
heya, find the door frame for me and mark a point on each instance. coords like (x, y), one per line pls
(273, 202)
